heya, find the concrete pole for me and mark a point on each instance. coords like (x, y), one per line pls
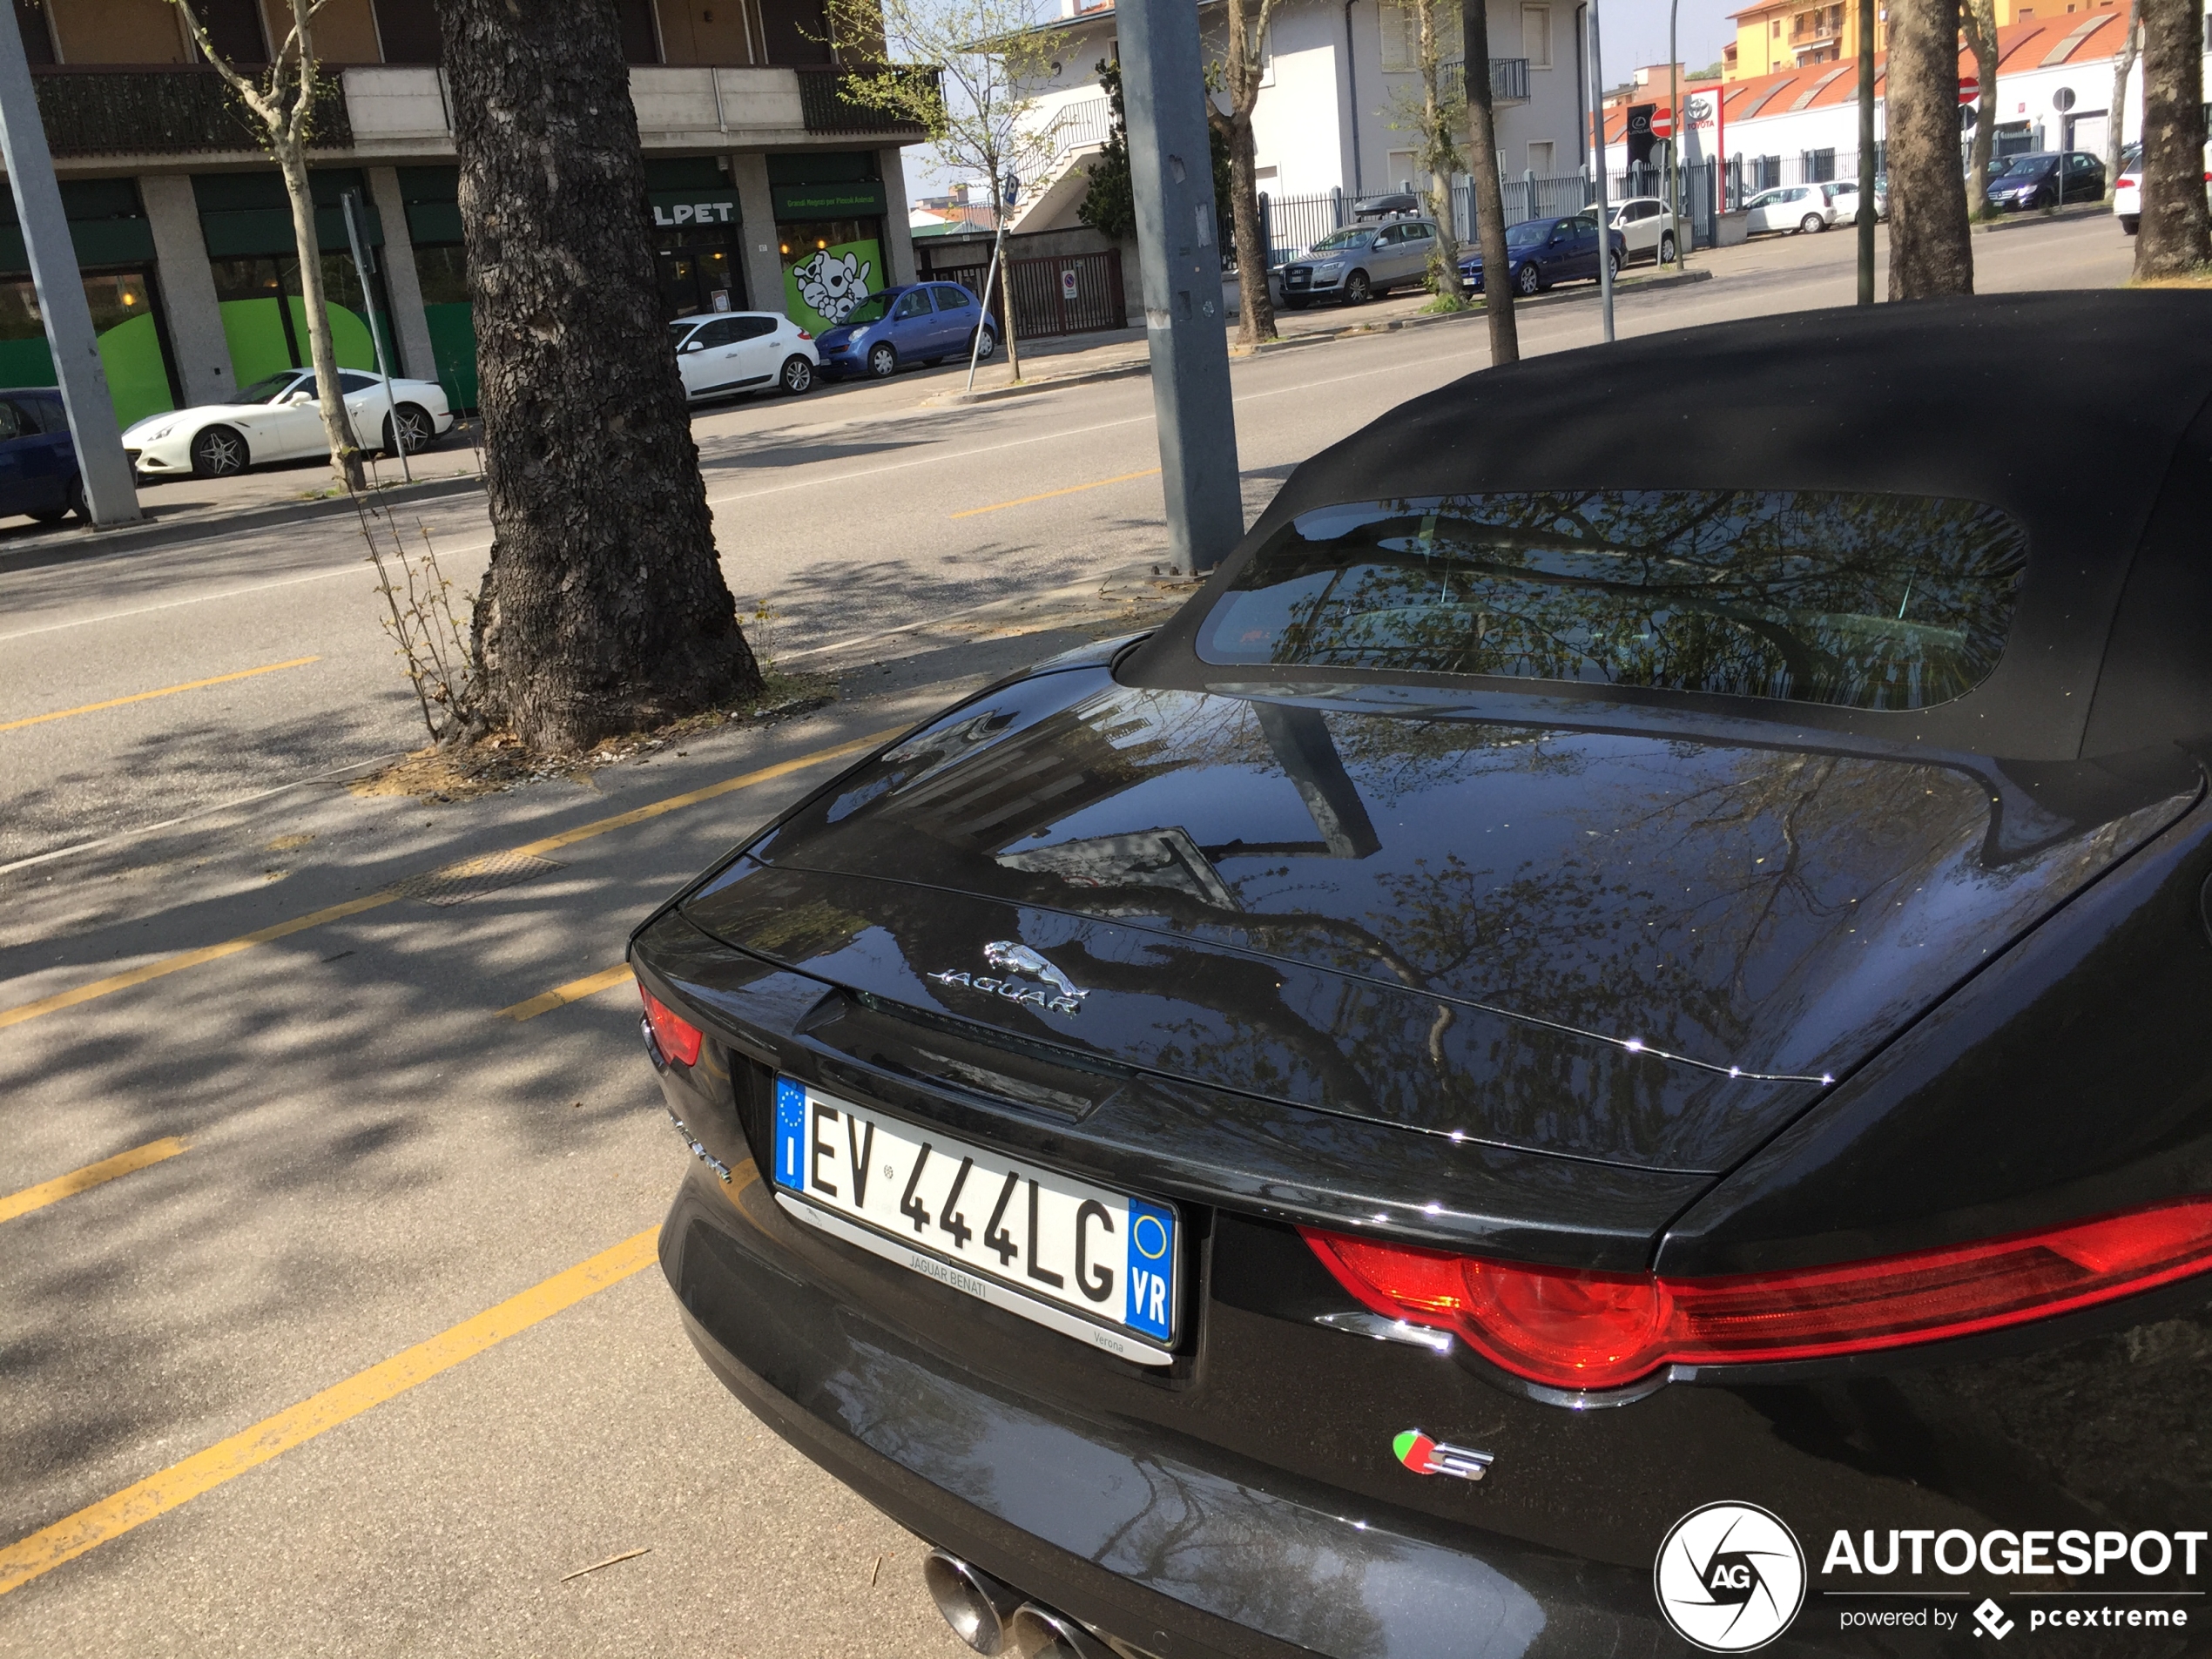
(1597, 157)
(1171, 169)
(109, 496)
(1866, 14)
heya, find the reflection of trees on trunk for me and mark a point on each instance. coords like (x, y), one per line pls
(1868, 601)
(1456, 925)
(1266, 1578)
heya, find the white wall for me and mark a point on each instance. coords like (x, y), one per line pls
(2022, 95)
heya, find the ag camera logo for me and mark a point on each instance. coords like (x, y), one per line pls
(1730, 1577)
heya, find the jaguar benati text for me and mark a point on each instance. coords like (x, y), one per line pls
(1621, 962)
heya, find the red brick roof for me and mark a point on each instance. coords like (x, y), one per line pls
(2073, 37)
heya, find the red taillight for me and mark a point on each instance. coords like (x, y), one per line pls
(1570, 1329)
(803, 334)
(679, 1038)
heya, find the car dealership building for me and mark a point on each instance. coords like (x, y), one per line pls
(761, 177)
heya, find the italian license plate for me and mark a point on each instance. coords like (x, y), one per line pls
(1095, 1264)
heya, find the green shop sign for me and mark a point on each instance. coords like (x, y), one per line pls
(860, 199)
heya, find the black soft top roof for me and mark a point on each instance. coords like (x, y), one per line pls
(2066, 410)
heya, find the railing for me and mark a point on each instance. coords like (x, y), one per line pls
(162, 112)
(1747, 175)
(1292, 224)
(825, 108)
(1077, 126)
(1508, 79)
(1054, 296)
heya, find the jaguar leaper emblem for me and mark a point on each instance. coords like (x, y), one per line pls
(1011, 957)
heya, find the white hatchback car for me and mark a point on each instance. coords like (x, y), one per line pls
(277, 419)
(2127, 189)
(1792, 207)
(722, 352)
(1643, 222)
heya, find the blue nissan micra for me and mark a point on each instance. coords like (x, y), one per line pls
(926, 322)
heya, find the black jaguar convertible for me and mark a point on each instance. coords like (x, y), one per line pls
(1604, 1047)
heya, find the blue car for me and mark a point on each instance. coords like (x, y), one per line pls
(38, 472)
(1540, 252)
(923, 323)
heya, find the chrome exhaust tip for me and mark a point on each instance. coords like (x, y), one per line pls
(1040, 1633)
(976, 1605)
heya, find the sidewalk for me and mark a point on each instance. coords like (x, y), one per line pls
(1105, 355)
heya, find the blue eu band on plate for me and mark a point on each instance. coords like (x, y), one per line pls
(1089, 1263)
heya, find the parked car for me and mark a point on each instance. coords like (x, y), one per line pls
(1805, 209)
(38, 473)
(1545, 251)
(1354, 264)
(1564, 918)
(2127, 189)
(925, 322)
(722, 352)
(277, 419)
(1843, 197)
(2044, 180)
(1646, 230)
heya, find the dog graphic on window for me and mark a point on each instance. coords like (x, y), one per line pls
(831, 284)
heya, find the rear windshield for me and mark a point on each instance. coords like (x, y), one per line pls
(1870, 602)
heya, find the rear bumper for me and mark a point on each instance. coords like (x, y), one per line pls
(1177, 1547)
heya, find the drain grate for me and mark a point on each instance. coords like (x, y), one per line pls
(473, 878)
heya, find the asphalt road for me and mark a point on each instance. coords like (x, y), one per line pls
(350, 1154)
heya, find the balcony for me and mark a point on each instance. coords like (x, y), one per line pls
(1508, 79)
(161, 111)
(400, 112)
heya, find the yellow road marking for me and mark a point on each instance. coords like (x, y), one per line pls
(166, 690)
(179, 1483)
(178, 963)
(1072, 490)
(92, 1175)
(561, 995)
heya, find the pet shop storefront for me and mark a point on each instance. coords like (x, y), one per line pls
(830, 208)
(695, 226)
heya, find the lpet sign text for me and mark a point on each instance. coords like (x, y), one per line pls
(693, 213)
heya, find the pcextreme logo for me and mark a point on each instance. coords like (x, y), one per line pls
(1730, 1577)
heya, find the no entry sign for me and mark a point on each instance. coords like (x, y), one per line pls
(1969, 88)
(1662, 124)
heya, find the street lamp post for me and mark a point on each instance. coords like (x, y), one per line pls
(1597, 160)
(1866, 14)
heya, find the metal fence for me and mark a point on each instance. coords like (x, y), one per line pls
(1054, 294)
(1292, 224)
(1747, 175)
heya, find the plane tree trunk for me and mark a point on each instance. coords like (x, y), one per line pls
(2172, 239)
(1489, 196)
(1931, 250)
(603, 609)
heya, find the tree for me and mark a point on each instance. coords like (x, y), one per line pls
(1242, 70)
(1931, 251)
(603, 608)
(1436, 112)
(1108, 206)
(1489, 198)
(282, 103)
(2123, 64)
(1978, 20)
(2172, 239)
(978, 109)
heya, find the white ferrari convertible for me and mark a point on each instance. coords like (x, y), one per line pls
(276, 419)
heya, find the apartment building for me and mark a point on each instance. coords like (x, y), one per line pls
(759, 172)
(1336, 100)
